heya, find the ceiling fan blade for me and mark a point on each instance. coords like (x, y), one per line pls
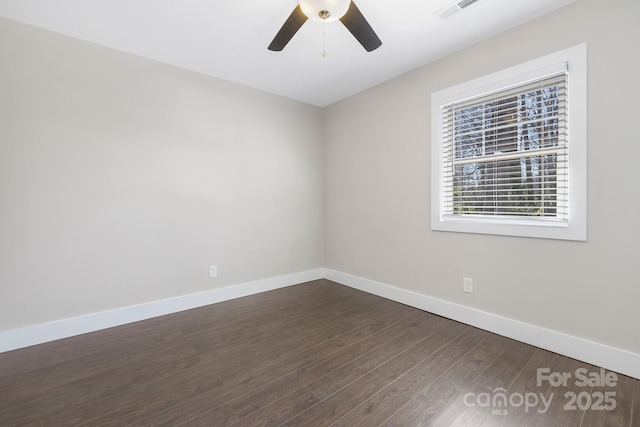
(289, 28)
(360, 28)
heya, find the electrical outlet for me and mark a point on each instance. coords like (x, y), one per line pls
(213, 271)
(467, 285)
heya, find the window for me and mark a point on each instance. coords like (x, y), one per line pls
(509, 151)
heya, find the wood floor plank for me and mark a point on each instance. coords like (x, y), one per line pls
(403, 335)
(340, 403)
(373, 318)
(616, 410)
(262, 327)
(635, 410)
(527, 384)
(502, 371)
(277, 413)
(134, 404)
(289, 358)
(271, 392)
(425, 406)
(313, 354)
(559, 414)
(507, 366)
(221, 416)
(363, 325)
(130, 372)
(235, 388)
(82, 346)
(122, 373)
(399, 391)
(404, 341)
(119, 408)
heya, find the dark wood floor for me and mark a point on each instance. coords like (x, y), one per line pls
(316, 354)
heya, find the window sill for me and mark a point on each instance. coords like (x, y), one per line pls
(542, 229)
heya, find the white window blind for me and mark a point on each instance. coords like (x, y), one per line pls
(505, 153)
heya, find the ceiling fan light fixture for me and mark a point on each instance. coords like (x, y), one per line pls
(328, 10)
(325, 10)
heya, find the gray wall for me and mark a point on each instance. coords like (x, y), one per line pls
(122, 180)
(377, 210)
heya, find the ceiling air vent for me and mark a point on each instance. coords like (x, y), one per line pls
(454, 8)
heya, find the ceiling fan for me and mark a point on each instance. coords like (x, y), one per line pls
(326, 11)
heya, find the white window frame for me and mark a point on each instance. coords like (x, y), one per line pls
(575, 227)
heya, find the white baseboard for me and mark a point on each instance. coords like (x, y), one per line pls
(614, 359)
(611, 358)
(51, 331)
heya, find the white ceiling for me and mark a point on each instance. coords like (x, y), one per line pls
(229, 39)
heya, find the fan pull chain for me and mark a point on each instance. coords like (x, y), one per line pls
(324, 50)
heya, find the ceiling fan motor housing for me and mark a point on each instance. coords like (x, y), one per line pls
(325, 10)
